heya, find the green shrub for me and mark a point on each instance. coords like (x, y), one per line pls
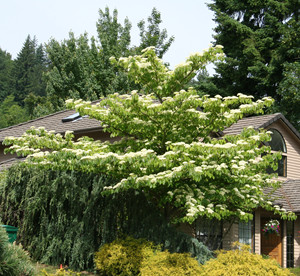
(167, 264)
(123, 256)
(242, 262)
(14, 261)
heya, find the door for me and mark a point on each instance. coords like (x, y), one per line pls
(271, 244)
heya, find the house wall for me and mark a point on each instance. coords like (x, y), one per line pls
(233, 234)
(97, 135)
(257, 232)
(293, 149)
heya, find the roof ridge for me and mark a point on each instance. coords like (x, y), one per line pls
(286, 198)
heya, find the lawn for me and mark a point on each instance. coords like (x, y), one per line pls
(296, 270)
(53, 269)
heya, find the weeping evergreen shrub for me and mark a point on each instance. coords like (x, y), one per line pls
(63, 219)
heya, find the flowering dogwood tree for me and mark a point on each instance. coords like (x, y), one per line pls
(170, 146)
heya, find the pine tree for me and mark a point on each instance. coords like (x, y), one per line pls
(28, 70)
(6, 77)
(260, 39)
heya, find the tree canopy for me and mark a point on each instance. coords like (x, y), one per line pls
(80, 68)
(167, 149)
(261, 41)
(41, 79)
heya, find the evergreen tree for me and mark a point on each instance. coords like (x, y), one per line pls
(289, 90)
(260, 38)
(6, 77)
(28, 70)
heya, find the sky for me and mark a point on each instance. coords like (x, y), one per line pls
(190, 21)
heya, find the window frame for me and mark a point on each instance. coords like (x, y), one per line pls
(282, 163)
(205, 232)
(290, 257)
(251, 228)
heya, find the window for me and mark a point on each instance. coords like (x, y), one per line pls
(290, 243)
(209, 231)
(246, 233)
(278, 144)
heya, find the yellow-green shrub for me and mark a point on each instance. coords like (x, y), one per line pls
(242, 262)
(123, 256)
(175, 264)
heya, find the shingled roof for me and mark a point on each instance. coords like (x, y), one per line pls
(54, 122)
(288, 195)
(258, 122)
(6, 164)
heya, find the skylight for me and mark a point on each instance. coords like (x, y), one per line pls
(71, 118)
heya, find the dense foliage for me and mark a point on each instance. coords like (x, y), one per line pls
(14, 261)
(40, 79)
(11, 112)
(130, 256)
(6, 75)
(123, 256)
(242, 262)
(166, 264)
(167, 151)
(261, 42)
(63, 219)
(80, 68)
(20, 78)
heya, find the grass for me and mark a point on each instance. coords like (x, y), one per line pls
(53, 269)
(296, 270)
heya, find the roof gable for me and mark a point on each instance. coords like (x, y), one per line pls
(258, 122)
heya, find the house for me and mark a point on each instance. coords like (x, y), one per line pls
(285, 248)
